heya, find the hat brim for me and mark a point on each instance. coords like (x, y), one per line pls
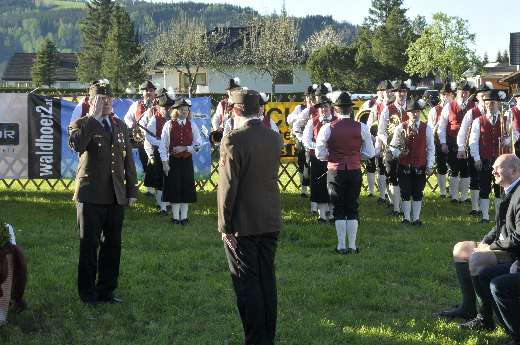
(343, 104)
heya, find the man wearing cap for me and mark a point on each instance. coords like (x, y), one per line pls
(485, 140)
(134, 114)
(154, 120)
(383, 91)
(515, 116)
(412, 143)
(249, 215)
(343, 143)
(398, 107)
(463, 142)
(319, 192)
(180, 139)
(105, 184)
(450, 122)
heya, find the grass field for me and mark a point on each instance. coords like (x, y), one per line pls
(177, 290)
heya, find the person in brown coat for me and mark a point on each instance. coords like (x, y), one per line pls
(105, 184)
(249, 215)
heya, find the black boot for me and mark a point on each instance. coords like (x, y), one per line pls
(468, 308)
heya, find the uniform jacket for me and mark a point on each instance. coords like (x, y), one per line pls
(505, 235)
(248, 195)
(106, 171)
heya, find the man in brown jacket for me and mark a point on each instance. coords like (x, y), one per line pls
(105, 183)
(249, 215)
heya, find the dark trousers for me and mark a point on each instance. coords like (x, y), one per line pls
(487, 180)
(303, 164)
(474, 175)
(253, 275)
(371, 165)
(440, 160)
(506, 293)
(393, 172)
(483, 290)
(411, 182)
(381, 169)
(319, 192)
(344, 188)
(458, 167)
(94, 220)
(143, 157)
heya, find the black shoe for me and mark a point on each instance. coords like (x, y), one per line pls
(370, 195)
(184, 221)
(303, 195)
(465, 201)
(443, 196)
(352, 251)
(417, 222)
(381, 201)
(340, 251)
(157, 207)
(175, 221)
(456, 313)
(163, 213)
(405, 221)
(454, 201)
(314, 213)
(473, 213)
(484, 221)
(321, 221)
(478, 324)
(111, 300)
(395, 213)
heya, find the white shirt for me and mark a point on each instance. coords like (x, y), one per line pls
(130, 115)
(511, 186)
(300, 123)
(443, 122)
(219, 117)
(373, 113)
(164, 147)
(308, 133)
(465, 128)
(430, 146)
(321, 149)
(474, 136)
(432, 118)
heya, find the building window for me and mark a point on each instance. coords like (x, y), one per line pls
(200, 79)
(284, 78)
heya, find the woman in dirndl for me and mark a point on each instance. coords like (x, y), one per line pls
(180, 139)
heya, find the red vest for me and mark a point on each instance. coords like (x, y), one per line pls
(476, 113)
(180, 136)
(139, 111)
(455, 116)
(438, 110)
(416, 145)
(392, 109)
(344, 145)
(516, 118)
(160, 121)
(379, 109)
(489, 138)
(85, 107)
(224, 106)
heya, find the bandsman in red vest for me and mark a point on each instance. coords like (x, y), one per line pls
(154, 120)
(484, 142)
(398, 107)
(180, 139)
(446, 96)
(514, 114)
(383, 91)
(343, 143)
(463, 141)
(134, 114)
(451, 118)
(412, 143)
(318, 168)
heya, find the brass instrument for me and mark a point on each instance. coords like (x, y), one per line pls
(505, 133)
(394, 120)
(363, 117)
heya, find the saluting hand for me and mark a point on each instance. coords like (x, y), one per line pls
(96, 108)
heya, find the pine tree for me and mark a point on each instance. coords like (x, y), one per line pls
(94, 29)
(45, 64)
(485, 59)
(499, 57)
(380, 11)
(122, 58)
(505, 57)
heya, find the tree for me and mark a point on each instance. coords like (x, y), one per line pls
(94, 29)
(188, 48)
(122, 59)
(485, 59)
(442, 49)
(505, 56)
(45, 64)
(271, 46)
(320, 39)
(499, 56)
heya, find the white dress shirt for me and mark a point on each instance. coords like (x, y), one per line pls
(430, 146)
(321, 149)
(164, 147)
(465, 128)
(308, 133)
(474, 137)
(443, 122)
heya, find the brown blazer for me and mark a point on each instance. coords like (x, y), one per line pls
(248, 196)
(106, 170)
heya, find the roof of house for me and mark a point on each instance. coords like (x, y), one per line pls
(492, 69)
(20, 64)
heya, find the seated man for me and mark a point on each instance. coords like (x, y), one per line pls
(500, 245)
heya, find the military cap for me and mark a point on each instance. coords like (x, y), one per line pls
(147, 84)
(100, 87)
(322, 100)
(494, 95)
(249, 99)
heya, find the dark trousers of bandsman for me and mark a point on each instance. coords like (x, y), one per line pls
(381, 177)
(412, 181)
(303, 167)
(393, 181)
(441, 161)
(370, 169)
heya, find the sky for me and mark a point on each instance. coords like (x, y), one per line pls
(491, 24)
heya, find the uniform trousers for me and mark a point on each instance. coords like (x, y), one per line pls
(303, 164)
(319, 192)
(143, 157)
(487, 180)
(94, 220)
(411, 182)
(393, 172)
(371, 165)
(458, 167)
(474, 175)
(252, 269)
(381, 168)
(440, 160)
(344, 188)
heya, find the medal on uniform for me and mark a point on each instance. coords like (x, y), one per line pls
(124, 154)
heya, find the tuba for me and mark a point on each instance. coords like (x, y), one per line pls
(363, 116)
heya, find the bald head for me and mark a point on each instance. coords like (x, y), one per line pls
(506, 169)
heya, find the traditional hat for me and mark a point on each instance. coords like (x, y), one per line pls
(249, 99)
(341, 99)
(310, 90)
(164, 99)
(264, 98)
(323, 89)
(483, 88)
(181, 102)
(100, 87)
(494, 95)
(384, 85)
(233, 84)
(434, 100)
(464, 86)
(414, 105)
(322, 100)
(147, 84)
(400, 85)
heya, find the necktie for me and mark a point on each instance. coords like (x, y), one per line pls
(107, 126)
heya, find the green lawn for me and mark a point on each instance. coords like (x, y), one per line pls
(177, 290)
